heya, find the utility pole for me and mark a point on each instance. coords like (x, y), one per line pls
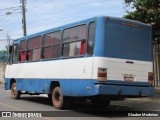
(24, 17)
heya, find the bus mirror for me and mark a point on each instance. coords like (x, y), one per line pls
(10, 49)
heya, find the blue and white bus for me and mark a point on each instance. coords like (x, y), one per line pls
(101, 59)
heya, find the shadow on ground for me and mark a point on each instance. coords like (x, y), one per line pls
(82, 109)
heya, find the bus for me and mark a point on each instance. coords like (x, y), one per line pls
(98, 59)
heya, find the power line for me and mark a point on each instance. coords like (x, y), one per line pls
(3, 40)
(7, 16)
(9, 13)
(9, 8)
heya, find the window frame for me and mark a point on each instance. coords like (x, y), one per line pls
(68, 42)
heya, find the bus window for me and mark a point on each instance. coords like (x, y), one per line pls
(74, 40)
(15, 52)
(51, 46)
(34, 49)
(91, 38)
(22, 49)
(10, 54)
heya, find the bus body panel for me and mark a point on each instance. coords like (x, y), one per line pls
(85, 88)
(11, 71)
(79, 68)
(126, 91)
(76, 68)
(84, 84)
(118, 68)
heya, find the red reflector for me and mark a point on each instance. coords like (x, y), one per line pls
(150, 77)
(102, 74)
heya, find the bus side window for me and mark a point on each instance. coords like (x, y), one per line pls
(15, 53)
(74, 41)
(34, 48)
(51, 45)
(91, 38)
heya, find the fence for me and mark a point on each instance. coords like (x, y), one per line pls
(156, 63)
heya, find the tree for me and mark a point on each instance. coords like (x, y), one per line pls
(3, 55)
(147, 11)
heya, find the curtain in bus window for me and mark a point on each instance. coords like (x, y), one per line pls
(22, 49)
(83, 46)
(22, 56)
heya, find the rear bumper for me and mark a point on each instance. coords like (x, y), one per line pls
(128, 91)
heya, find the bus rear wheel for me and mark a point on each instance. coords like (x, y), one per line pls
(58, 100)
(14, 92)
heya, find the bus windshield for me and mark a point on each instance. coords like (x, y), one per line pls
(128, 42)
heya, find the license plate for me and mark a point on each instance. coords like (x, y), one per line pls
(128, 78)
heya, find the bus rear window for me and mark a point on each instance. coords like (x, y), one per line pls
(128, 42)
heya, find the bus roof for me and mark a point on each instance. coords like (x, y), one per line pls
(78, 23)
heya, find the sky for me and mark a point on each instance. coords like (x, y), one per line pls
(46, 14)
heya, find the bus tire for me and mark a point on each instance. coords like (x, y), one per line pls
(58, 100)
(15, 94)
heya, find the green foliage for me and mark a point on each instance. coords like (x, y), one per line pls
(3, 55)
(147, 11)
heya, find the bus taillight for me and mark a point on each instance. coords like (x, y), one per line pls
(102, 74)
(150, 77)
